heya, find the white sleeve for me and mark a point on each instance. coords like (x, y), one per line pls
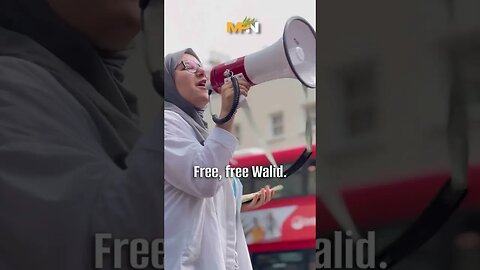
(183, 152)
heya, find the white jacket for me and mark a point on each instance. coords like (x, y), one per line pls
(203, 230)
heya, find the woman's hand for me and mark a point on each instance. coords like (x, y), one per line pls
(227, 94)
(261, 197)
(227, 100)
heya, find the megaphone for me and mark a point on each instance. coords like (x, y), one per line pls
(292, 56)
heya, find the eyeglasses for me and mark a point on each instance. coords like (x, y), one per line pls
(190, 66)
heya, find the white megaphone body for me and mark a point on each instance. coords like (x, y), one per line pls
(292, 56)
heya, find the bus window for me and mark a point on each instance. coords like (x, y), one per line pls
(293, 185)
(290, 260)
(247, 185)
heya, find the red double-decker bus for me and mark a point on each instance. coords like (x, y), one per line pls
(281, 234)
(388, 208)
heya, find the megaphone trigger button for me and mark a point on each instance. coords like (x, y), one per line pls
(227, 73)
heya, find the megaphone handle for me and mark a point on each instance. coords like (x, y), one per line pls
(236, 100)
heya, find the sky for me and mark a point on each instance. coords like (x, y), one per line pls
(201, 24)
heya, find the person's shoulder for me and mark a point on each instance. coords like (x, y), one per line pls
(23, 72)
(175, 124)
(16, 63)
(173, 119)
(171, 115)
(30, 87)
(20, 78)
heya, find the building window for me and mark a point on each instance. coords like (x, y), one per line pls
(276, 122)
(360, 101)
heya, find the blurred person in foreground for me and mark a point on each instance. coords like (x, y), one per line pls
(203, 229)
(73, 161)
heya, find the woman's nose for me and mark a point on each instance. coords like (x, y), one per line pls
(201, 72)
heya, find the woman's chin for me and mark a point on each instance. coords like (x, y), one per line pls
(201, 104)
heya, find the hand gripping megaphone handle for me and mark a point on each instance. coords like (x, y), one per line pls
(233, 109)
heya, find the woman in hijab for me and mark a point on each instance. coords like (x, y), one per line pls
(203, 229)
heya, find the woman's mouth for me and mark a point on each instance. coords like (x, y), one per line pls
(202, 84)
